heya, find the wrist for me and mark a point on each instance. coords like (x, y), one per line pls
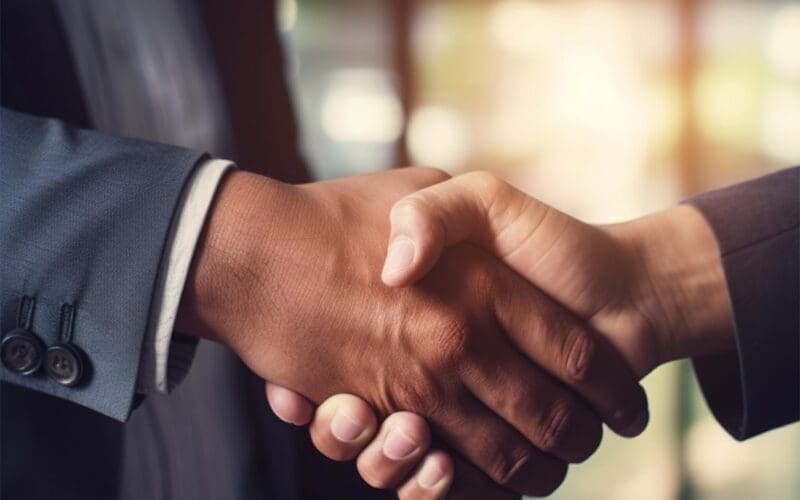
(213, 302)
(683, 288)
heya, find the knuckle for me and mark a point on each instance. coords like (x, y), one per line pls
(505, 467)
(447, 345)
(411, 396)
(492, 190)
(421, 211)
(484, 281)
(579, 354)
(487, 181)
(556, 425)
(421, 397)
(410, 206)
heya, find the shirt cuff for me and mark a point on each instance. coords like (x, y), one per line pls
(166, 357)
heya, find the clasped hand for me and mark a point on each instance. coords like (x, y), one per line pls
(514, 330)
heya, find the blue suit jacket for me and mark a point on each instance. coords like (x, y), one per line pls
(83, 220)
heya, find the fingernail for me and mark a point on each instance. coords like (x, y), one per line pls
(398, 446)
(344, 427)
(399, 256)
(429, 475)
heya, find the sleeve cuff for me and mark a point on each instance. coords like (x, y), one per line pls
(166, 358)
(757, 387)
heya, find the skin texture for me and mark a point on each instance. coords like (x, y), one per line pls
(654, 287)
(513, 383)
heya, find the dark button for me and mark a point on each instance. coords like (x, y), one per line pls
(21, 351)
(64, 364)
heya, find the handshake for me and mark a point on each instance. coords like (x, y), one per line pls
(495, 327)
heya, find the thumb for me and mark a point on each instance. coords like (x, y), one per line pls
(288, 405)
(474, 207)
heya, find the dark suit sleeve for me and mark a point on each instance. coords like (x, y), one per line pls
(757, 388)
(83, 220)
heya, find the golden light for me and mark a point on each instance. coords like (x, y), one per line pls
(728, 102)
(517, 25)
(782, 45)
(780, 134)
(360, 105)
(438, 136)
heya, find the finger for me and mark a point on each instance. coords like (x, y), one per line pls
(288, 405)
(401, 444)
(485, 210)
(343, 426)
(548, 414)
(532, 238)
(496, 448)
(470, 483)
(568, 349)
(473, 207)
(431, 480)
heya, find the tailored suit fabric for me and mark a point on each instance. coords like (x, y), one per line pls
(757, 387)
(92, 93)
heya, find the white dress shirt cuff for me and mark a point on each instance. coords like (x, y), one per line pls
(166, 357)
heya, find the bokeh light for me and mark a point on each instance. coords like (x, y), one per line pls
(360, 105)
(438, 136)
(607, 109)
(782, 45)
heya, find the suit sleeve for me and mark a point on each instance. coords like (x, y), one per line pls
(166, 357)
(84, 221)
(757, 387)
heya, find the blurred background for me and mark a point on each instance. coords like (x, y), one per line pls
(606, 109)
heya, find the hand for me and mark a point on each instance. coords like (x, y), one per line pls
(661, 275)
(418, 474)
(423, 473)
(286, 276)
(654, 287)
